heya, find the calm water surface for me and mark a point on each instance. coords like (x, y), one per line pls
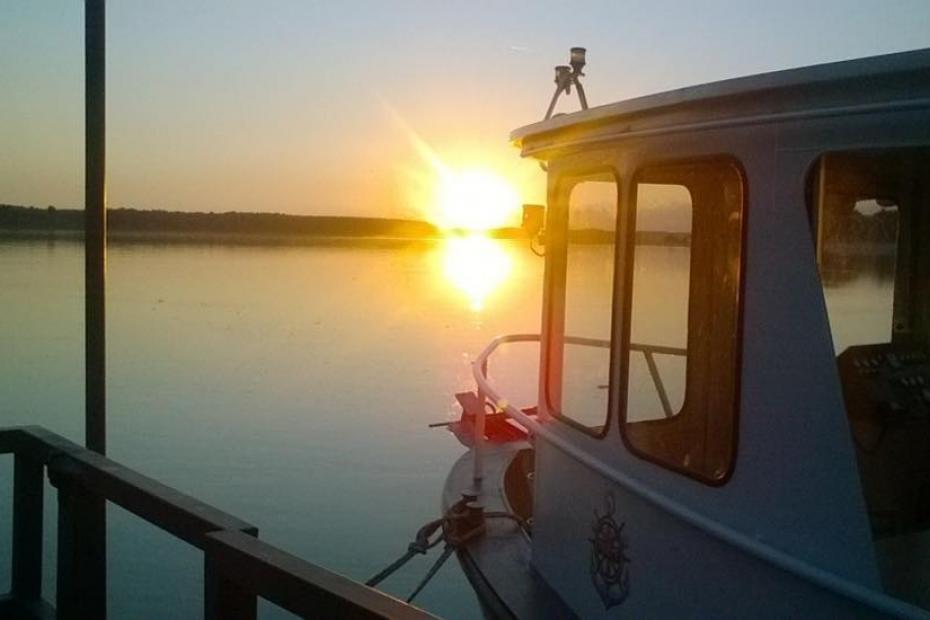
(291, 387)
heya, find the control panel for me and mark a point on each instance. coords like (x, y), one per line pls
(887, 392)
(885, 384)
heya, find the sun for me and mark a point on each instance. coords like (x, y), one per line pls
(474, 200)
(458, 198)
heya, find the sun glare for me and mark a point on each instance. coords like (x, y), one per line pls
(460, 196)
(476, 266)
(474, 200)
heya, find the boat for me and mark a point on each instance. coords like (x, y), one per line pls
(710, 439)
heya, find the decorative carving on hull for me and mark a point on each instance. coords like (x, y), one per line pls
(610, 565)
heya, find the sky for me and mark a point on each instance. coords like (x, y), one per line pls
(326, 107)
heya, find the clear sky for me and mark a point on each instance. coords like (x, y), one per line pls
(309, 106)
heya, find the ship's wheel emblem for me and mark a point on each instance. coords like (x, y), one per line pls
(610, 566)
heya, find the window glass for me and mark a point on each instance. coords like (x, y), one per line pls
(872, 228)
(857, 228)
(578, 391)
(659, 316)
(684, 261)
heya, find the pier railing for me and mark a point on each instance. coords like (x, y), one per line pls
(238, 568)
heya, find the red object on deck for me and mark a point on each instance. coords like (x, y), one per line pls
(498, 427)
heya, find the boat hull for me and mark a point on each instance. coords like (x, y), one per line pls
(498, 564)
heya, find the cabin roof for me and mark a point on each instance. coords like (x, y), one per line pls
(886, 79)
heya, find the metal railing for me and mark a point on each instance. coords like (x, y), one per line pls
(649, 351)
(484, 390)
(238, 568)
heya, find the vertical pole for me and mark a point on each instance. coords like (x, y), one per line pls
(95, 225)
(82, 552)
(28, 494)
(81, 581)
(478, 447)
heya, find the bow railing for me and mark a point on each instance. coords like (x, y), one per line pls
(488, 393)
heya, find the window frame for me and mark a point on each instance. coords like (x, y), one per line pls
(566, 180)
(622, 355)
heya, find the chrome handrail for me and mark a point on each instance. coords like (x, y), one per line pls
(481, 368)
(648, 351)
(480, 371)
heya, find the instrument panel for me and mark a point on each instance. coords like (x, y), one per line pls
(887, 392)
(885, 384)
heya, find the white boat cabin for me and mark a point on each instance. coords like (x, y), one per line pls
(734, 399)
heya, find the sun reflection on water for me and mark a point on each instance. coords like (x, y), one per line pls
(476, 265)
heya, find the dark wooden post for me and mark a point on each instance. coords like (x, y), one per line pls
(82, 518)
(223, 598)
(95, 225)
(28, 489)
(82, 561)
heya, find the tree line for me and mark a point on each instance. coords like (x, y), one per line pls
(15, 217)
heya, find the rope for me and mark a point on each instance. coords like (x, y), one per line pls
(420, 545)
(457, 527)
(432, 571)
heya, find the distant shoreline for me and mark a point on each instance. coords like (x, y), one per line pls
(116, 238)
(131, 226)
(230, 228)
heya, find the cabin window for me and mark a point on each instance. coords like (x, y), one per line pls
(579, 355)
(680, 358)
(856, 223)
(661, 273)
(872, 228)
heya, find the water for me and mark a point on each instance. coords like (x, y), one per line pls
(289, 386)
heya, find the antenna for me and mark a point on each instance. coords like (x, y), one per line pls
(566, 76)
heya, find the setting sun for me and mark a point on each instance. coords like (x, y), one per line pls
(475, 200)
(464, 190)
